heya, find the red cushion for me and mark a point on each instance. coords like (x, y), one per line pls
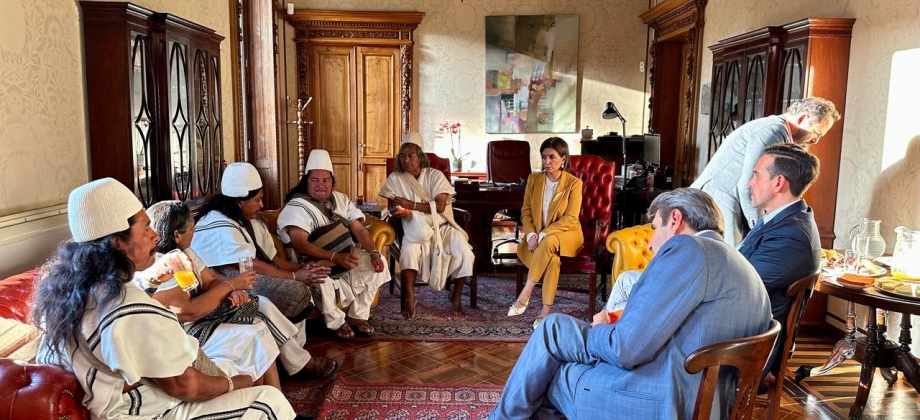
(15, 293)
(39, 392)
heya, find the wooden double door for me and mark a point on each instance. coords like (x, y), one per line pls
(356, 116)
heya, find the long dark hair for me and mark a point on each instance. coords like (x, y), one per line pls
(167, 218)
(230, 207)
(301, 187)
(80, 276)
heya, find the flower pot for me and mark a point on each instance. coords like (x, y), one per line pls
(456, 165)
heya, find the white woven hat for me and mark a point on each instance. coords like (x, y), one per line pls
(100, 208)
(239, 179)
(414, 138)
(319, 159)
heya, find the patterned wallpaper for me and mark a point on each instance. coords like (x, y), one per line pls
(449, 64)
(880, 164)
(42, 118)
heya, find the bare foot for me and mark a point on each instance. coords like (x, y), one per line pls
(455, 299)
(409, 310)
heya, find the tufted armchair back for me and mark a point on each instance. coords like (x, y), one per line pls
(597, 205)
(508, 161)
(437, 162)
(630, 251)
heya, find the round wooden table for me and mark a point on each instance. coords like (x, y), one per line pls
(874, 350)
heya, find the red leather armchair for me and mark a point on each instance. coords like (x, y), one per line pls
(34, 391)
(598, 180)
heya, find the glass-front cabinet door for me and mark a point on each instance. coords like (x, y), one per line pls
(754, 79)
(143, 123)
(180, 144)
(792, 76)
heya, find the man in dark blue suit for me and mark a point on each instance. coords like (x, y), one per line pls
(784, 245)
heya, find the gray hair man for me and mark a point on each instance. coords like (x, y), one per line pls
(728, 172)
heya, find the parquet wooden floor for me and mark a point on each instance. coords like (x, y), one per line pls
(827, 397)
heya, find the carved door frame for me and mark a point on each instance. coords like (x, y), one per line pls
(680, 21)
(355, 28)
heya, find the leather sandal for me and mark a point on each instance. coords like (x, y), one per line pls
(344, 332)
(323, 367)
(360, 327)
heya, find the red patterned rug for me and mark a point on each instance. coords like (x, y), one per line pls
(340, 400)
(434, 322)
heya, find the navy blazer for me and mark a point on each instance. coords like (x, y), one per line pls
(783, 250)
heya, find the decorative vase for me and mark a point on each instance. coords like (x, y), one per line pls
(456, 165)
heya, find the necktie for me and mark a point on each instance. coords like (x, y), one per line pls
(757, 225)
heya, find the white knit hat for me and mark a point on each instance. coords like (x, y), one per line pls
(100, 208)
(319, 159)
(414, 138)
(239, 179)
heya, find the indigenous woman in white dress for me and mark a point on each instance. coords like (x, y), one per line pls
(129, 353)
(421, 197)
(239, 335)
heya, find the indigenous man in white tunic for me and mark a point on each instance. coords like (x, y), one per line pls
(129, 353)
(434, 247)
(229, 229)
(318, 223)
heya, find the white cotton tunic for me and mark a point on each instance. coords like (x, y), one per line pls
(416, 256)
(355, 290)
(241, 349)
(220, 241)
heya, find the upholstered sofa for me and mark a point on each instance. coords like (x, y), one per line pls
(30, 391)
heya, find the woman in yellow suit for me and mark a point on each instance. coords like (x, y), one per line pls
(552, 202)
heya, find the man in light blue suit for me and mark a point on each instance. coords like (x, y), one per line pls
(784, 245)
(696, 291)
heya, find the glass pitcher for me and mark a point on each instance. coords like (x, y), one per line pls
(867, 239)
(906, 259)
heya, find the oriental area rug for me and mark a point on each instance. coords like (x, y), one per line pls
(339, 399)
(489, 322)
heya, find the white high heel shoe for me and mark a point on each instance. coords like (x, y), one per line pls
(515, 311)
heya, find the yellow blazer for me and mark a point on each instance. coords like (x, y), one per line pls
(562, 217)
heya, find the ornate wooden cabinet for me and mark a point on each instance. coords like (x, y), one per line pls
(153, 96)
(357, 66)
(762, 72)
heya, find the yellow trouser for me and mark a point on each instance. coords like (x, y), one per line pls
(543, 265)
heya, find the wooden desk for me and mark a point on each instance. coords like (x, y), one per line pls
(482, 205)
(474, 176)
(873, 350)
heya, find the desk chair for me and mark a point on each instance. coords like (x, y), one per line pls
(461, 216)
(748, 355)
(508, 161)
(629, 248)
(596, 211)
(800, 292)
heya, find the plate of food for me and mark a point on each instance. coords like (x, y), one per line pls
(865, 268)
(898, 288)
(851, 281)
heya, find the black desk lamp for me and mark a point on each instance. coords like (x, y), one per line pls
(613, 113)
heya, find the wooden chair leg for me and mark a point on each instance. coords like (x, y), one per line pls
(592, 294)
(474, 284)
(393, 278)
(774, 396)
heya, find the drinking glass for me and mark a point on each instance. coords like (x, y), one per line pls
(359, 200)
(356, 250)
(182, 270)
(245, 264)
(851, 261)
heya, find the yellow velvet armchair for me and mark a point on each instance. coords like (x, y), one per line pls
(381, 232)
(630, 251)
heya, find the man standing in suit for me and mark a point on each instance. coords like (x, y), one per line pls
(728, 172)
(697, 291)
(784, 245)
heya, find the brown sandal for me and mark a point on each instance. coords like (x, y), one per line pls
(322, 368)
(344, 332)
(360, 327)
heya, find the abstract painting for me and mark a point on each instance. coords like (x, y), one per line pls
(531, 73)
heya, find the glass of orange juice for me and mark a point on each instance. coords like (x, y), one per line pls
(182, 270)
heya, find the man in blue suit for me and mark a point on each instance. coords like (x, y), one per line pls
(784, 245)
(697, 291)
